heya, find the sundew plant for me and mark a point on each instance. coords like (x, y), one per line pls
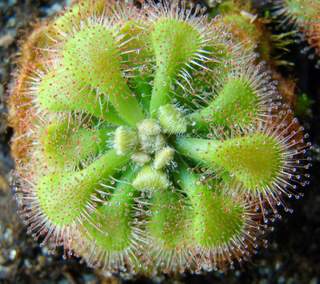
(150, 140)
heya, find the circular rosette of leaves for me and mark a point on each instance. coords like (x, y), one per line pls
(152, 140)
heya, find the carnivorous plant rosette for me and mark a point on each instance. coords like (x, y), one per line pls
(148, 139)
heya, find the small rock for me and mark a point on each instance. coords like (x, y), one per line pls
(4, 186)
(55, 8)
(6, 40)
(45, 251)
(90, 279)
(27, 263)
(291, 280)
(2, 259)
(11, 22)
(41, 260)
(63, 281)
(12, 2)
(8, 235)
(314, 280)
(278, 265)
(12, 254)
(281, 280)
(4, 272)
(213, 3)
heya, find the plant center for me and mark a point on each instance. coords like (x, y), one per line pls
(146, 143)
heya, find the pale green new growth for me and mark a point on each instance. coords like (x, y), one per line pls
(163, 158)
(172, 120)
(151, 179)
(125, 140)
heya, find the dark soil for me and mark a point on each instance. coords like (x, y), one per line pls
(293, 254)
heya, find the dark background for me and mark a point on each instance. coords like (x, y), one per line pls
(293, 254)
